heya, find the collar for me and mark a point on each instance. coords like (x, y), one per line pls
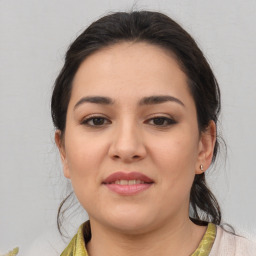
(77, 246)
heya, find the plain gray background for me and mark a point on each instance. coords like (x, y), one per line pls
(34, 36)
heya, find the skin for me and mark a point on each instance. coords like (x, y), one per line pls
(129, 138)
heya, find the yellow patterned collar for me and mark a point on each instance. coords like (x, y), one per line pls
(206, 243)
(77, 245)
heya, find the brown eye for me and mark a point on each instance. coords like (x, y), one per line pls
(95, 121)
(162, 121)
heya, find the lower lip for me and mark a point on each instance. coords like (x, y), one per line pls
(128, 189)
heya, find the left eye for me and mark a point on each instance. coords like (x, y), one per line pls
(161, 121)
(95, 121)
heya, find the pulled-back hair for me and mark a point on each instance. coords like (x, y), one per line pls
(157, 29)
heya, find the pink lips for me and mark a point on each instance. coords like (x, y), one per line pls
(113, 183)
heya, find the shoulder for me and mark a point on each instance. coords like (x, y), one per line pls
(227, 244)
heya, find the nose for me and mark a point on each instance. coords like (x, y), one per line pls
(127, 144)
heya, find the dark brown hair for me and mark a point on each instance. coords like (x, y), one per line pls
(160, 30)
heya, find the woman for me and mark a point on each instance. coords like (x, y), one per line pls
(135, 108)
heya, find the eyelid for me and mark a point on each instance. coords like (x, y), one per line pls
(160, 115)
(88, 118)
(168, 118)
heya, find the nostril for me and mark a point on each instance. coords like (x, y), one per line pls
(135, 157)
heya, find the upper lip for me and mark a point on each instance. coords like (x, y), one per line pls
(127, 176)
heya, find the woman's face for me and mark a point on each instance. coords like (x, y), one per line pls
(131, 146)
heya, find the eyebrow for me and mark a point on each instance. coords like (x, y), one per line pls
(159, 99)
(95, 99)
(151, 100)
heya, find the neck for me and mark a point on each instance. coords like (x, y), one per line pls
(167, 240)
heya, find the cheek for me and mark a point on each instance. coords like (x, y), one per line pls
(84, 157)
(177, 151)
(175, 158)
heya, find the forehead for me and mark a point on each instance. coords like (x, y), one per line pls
(130, 69)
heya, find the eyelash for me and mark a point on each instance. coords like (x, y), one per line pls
(93, 118)
(168, 121)
(165, 121)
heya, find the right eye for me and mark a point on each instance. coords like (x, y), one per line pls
(161, 121)
(96, 121)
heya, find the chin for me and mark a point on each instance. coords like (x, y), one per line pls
(135, 222)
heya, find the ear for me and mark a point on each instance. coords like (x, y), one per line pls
(60, 144)
(206, 148)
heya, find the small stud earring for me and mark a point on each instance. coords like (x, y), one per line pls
(201, 167)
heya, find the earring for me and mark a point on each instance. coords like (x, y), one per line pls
(201, 167)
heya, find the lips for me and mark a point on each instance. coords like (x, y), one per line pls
(132, 176)
(127, 184)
